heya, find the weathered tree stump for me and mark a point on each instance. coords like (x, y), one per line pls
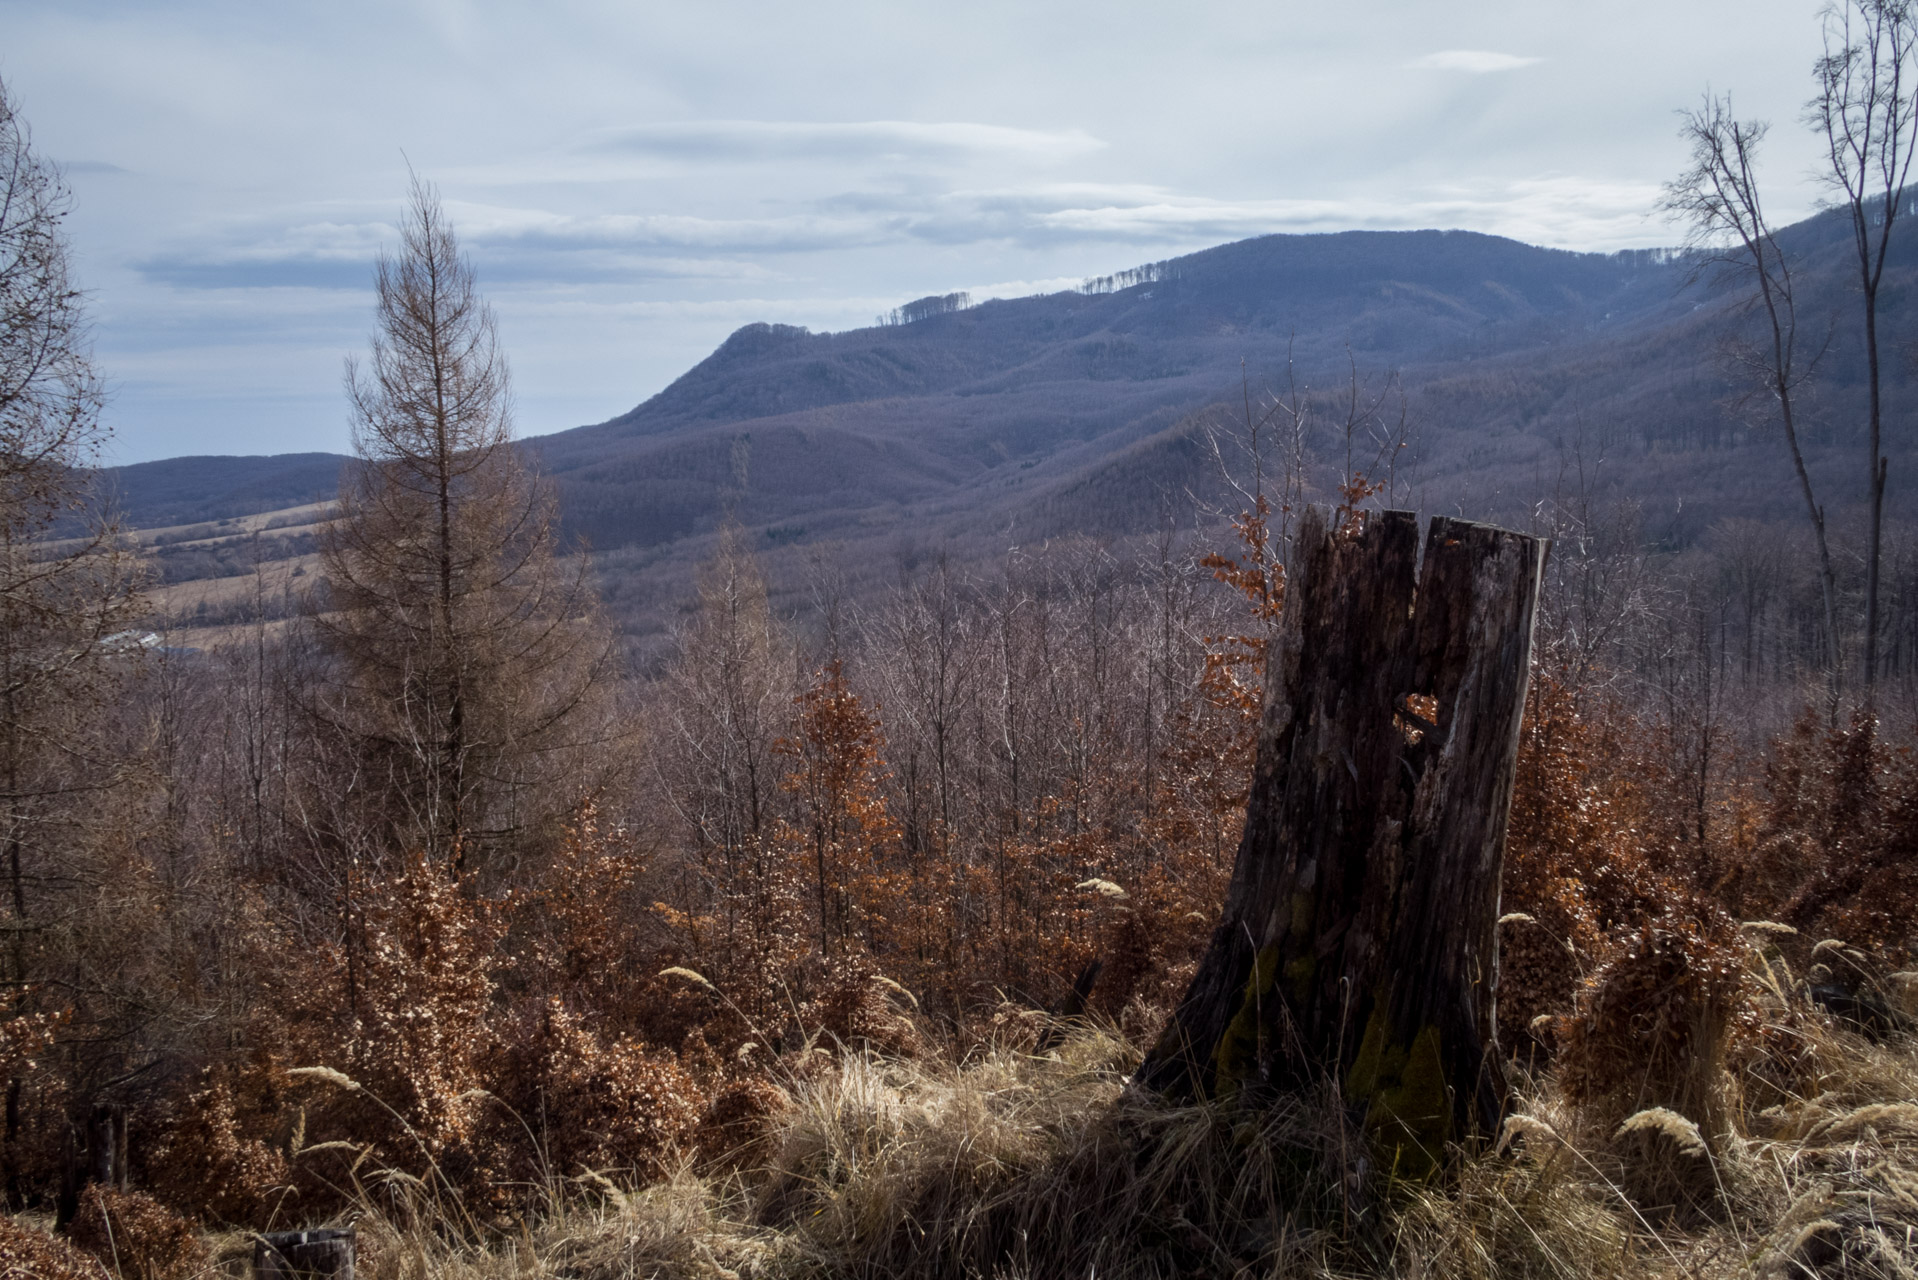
(320, 1254)
(1359, 937)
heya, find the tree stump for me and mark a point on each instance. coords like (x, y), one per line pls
(1359, 938)
(319, 1254)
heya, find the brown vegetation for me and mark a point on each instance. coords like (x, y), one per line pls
(807, 1005)
(832, 950)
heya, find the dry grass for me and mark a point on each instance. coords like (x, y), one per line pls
(1016, 1165)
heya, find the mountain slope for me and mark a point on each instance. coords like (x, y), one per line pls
(979, 411)
(177, 491)
(1514, 368)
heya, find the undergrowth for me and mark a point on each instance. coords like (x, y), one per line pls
(1017, 1163)
(1705, 1002)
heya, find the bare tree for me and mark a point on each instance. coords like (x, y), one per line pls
(1750, 562)
(726, 699)
(470, 665)
(1718, 196)
(716, 768)
(61, 602)
(1867, 112)
(65, 603)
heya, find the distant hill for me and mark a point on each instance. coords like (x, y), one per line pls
(1521, 369)
(1075, 411)
(177, 491)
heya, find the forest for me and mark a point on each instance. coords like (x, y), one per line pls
(838, 932)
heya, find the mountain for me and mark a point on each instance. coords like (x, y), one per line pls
(1080, 411)
(210, 488)
(1516, 371)
(1012, 406)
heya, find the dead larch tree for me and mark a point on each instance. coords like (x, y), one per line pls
(469, 668)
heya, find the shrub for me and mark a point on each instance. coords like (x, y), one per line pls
(137, 1236)
(1652, 1025)
(1644, 1058)
(28, 1254)
(209, 1161)
(741, 1123)
(397, 1013)
(596, 1105)
(1843, 804)
(855, 1008)
(1576, 864)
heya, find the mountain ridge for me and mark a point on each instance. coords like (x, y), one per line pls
(1082, 411)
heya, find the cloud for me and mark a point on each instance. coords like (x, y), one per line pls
(891, 140)
(193, 272)
(1560, 210)
(482, 225)
(328, 254)
(1023, 288)
(733, 311)
(1474, 61)
(526, 247)
(516, 245)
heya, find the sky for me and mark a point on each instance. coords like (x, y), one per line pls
(635, 180)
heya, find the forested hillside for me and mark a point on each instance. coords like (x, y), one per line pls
(1522, 383)
(1075, 412)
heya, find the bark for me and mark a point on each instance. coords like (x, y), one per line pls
(1358, 941)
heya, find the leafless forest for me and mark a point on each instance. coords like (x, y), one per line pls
(820, 933)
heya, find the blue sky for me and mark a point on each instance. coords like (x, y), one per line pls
(634, 181)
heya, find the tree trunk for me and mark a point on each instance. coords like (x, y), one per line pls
(97, 1157)
(1358, 941)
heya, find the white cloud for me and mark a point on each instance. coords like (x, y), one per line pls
(481, 225)
(1556, 210)
(1475, 61)
(635, 181)
(733, 140)
(527, 248)
(853, 311)
(1023, 288)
